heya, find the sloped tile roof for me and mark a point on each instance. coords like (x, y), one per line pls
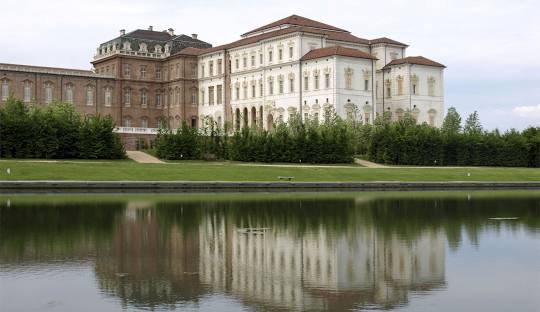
(388, 41)
(149, 35)
(417, 60)
(336, 50)
(296, 20)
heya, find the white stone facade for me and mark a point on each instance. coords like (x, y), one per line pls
(268, 71)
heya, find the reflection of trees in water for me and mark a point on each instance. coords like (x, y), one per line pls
(338, 252)
(34, 231)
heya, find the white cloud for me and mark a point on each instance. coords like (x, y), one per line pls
(527, 111)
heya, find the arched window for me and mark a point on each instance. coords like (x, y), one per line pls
(89, 95)
(27, 91)
(69, 93)
(108, 96)
(48, 92)
(127, 121)
(5, 89)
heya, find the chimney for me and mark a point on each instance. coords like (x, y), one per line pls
(122, 32)
(171, 31)
(194, 36)
(151, 28)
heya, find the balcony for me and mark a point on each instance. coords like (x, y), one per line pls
(136, 130)
(131, 53)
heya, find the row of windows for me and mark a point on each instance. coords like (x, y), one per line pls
(211, 72)
(415, 90)
(174, 71)
(172, 98)
(49, 92)
(270, 58)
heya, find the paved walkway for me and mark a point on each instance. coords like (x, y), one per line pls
(143, 158)
(369, 164)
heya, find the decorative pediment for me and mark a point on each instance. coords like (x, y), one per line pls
(366, 73)
(252, 82)
(291, 75)
(280, 77)
(306, 73)
(244, 84)
(270, 78)
(290, 43)
(349, 71)
(431, 79)
(281, 110)
(291, 110)
(316, 72)
(399, 78)
(327, 70)
(388, 82)
(316, 107)
(305, 108)
(414, 78)
(237, 84)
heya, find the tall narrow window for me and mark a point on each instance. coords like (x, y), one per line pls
(270, 87)
(193, 97)
(144, 122)
(414, 88)
(202, 71)
(291, 85)
(194, 70)
(261, 88)
(127, 71)
(431, 86)
(144, 98)
(280, 54)
(270, 56)
(202, 97)
(5, 90)
(158, 73)
(245, 91)
(143, 72)
(211, 68)
(253, 91)
(108, 96)
(244, 62)
(366, 85)
(27, 91)
(127, 97)
(48, 93)
(400, 85)
(316, 82)
(158, 100)
(219, 94)
(219, 66)
(89, 95)
(69, 93)
(306, 83)
(291, 52)
(237, 63)
(127, 122)
(327, 81)
(253, 61)
(281, 86)
(238, 93)
(261, 59)
(211, 95)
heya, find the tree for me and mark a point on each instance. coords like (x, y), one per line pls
(452, 122)
(472, 124)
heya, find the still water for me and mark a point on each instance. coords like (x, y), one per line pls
(440, 251)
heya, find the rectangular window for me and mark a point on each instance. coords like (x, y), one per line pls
(280, 54)
(177, 70)
(202, 97)
(253, 61)
(69, 94)
(202, 71)
(238, 93)
(261, 87)
(245, 92)
(193, 98)
(244, 62)
(27, 92)
(306, 83)
(237, 63)
(144, 98)
(48, 93)
(194, 70)
(270, 87)
(219, 66)
(108, 97)
(89, 96)
(143, 72)
(291, 52)
(5, 90)
(291, 85)
(414, 89)
(327, 81)
(253, 91)
(270, 56)
(158, 100)
(366, 85)
(127, 97)
(158, 73)
(317, 82)
(211, 68)
(144, 123)
(211, 95)
(261, 59)
(219, 99)
(127, 71)
(281, 87)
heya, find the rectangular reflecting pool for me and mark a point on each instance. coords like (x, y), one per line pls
(406, 251)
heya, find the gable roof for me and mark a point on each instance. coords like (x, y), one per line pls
(296, 20)
(387, 40)
(417, 60)
(336, 50)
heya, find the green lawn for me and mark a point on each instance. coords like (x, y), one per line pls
(213, 171)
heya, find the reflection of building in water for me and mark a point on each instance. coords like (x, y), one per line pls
(282, 268)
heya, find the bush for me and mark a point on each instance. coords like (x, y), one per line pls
(56, 131)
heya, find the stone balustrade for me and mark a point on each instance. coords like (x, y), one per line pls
(131, 53)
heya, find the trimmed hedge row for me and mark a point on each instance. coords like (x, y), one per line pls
(56, 131)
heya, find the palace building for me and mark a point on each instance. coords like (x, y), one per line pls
(146, 79)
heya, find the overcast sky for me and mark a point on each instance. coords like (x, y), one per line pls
(491, 47)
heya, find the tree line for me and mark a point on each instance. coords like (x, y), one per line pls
(334, 140)
(56, 132)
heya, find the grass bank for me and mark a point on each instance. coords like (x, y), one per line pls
(210, 171)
